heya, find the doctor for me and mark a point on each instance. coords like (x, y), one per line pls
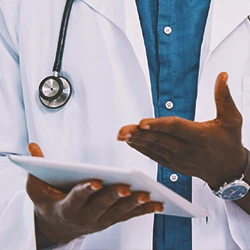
(106, 62)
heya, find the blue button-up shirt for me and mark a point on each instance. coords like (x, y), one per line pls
(173, 32)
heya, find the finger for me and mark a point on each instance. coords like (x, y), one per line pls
(226, 108)
(175, 126)
(122, 207)
(126, 132)
(152, 147)
(38, 190)
(164, 157)
(79, 195)
(155, 154)
(35, 150)
(100, 202)
(149, 139)
(147, 208)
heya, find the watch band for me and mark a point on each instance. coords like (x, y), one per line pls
(238, 188)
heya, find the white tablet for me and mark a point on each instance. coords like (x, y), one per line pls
(67, 174)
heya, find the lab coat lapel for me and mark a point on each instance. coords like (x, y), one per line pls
(224, 16)
(124, 14)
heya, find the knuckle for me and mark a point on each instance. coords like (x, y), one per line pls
(129, 201)
(118, 191)
(64, 216)
(111, 197)
(66, 212)
(62, 210)
(77, 193)
(149, 207)
(144, 209)
(103, 206)
(238, 120)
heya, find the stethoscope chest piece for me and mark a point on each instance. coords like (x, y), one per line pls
(54, 91)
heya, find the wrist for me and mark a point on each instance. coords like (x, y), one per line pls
(237, 188)
(42, 242)
(231, 171)
(246, 172)
(50, 232)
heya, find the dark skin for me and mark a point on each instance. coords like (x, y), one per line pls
(211, 150)
(89, 207)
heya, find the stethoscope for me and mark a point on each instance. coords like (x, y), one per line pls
(55, 90)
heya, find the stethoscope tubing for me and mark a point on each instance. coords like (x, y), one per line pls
(62, 36)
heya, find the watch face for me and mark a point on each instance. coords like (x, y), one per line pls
(234, 192)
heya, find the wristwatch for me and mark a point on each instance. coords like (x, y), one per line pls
(236, 189)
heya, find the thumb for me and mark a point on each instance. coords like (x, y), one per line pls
(35, 150)
(38, 190)
(226, 108)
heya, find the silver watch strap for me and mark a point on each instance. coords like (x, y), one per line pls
(245, 172)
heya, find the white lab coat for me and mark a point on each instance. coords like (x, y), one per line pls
(105, 61)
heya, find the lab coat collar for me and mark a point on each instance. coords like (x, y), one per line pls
(223, 18)
(124, 14)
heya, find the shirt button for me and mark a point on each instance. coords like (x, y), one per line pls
(168, 30)
(174, 177)
(169, 105)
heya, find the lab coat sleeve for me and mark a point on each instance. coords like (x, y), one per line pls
(239, 225)
(16, 209)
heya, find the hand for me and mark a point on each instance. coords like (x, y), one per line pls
(211, 150)
(87, 208)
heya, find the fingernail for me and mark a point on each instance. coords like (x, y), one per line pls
(87, 185)
(123, 192)
(96, 186)
(159, 208)
(143, 198)
(125, 137)
(145, 126)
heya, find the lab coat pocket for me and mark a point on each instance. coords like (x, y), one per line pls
(246, 111)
